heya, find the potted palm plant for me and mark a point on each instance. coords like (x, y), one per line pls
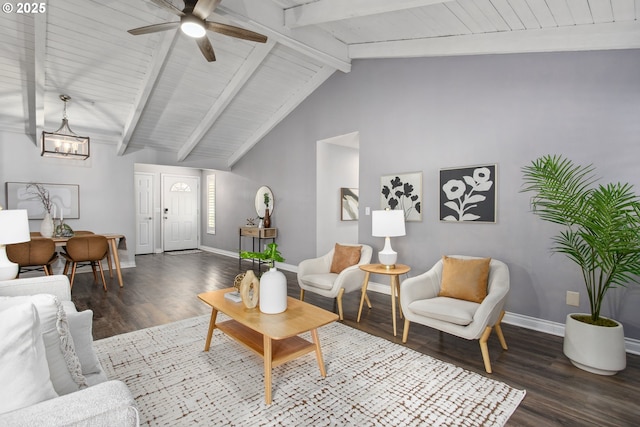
(602, 236)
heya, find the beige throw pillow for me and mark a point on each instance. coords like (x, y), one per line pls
(344, 256)
(465, 279)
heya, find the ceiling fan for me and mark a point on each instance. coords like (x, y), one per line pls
(193, 22)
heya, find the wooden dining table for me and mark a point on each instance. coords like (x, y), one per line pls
(112, 238)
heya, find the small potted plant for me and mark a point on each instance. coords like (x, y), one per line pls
(273, 283)
(602, 236)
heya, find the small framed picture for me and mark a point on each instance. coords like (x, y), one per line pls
(348, 204)
(468, 194)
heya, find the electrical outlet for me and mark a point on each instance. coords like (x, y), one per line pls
(573, 298)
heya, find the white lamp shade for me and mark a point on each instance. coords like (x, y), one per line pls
(387, 223)
(14, 226)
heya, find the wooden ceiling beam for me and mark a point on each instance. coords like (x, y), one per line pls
(618, 35)
(311, 85)
(37, 91)
(324, 11)
(266, 17)
(158, 59)
(238, 81)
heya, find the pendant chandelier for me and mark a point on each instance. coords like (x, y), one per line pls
(64, 143)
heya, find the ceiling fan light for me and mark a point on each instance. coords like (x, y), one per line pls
(191, 26)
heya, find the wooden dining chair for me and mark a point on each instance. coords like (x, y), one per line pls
(38, 254)
(77, 233)
(88, 249)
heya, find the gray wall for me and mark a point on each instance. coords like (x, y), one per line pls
(412, 115)
(432, 113)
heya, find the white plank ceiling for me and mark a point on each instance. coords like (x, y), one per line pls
(157, 90)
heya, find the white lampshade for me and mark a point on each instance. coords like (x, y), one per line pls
(387, 224)
(14, 228)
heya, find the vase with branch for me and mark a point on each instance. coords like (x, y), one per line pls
(38, 192)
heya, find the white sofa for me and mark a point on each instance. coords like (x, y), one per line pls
(102, 403)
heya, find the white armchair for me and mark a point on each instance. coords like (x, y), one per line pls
(314, 275)
(466, 319)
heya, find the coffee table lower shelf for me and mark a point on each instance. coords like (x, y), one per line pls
(282, 350)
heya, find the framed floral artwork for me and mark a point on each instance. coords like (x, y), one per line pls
(468, 194)
(403, 191)
(348, 204)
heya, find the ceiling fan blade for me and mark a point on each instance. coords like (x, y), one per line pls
(204, 8)
(154, 28)
(205, 47)
(230, 30)
(168, 6)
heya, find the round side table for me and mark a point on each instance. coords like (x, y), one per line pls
(394, 273)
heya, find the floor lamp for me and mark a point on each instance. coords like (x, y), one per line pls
(14, 228)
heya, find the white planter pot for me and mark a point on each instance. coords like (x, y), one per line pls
(596, 349)
(273, 292)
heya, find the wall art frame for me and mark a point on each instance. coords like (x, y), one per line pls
(349, 198)
(64, 196)
(402, 191)
(468, 194)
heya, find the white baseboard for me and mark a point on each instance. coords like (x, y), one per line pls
(527, 322)
(632, 345)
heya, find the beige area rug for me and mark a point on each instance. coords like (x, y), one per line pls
(370, 382)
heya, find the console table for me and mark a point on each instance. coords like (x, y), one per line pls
(259, 234)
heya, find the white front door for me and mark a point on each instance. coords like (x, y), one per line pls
(144, 213)
(180, 211)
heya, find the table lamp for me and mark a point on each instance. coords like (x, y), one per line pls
(14, 228)
(387, 223)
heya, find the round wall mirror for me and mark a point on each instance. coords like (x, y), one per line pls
(260, 200)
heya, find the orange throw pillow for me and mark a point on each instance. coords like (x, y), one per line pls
(344, 256)
(465, 279)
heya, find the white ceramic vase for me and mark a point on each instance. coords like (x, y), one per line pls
(46, 226)
(596, 349)
(273, 292)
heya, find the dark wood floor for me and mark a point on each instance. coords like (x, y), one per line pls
(162, 289)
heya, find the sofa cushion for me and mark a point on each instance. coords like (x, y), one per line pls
(322, 280)
(80, 326)
(64, 367)
(451, 310)
(344, 256)
(24, 372)
(465, 279)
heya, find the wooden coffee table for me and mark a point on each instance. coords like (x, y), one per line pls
(274, 337)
